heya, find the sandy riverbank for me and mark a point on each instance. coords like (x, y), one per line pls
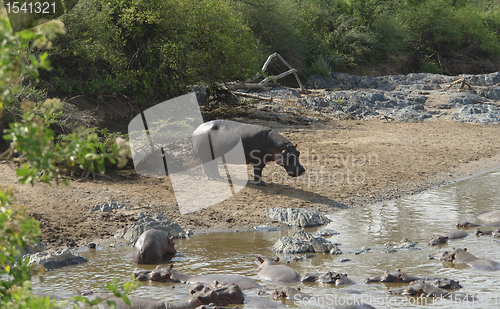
(349, 163)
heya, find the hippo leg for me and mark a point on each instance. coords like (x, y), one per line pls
(211, 170)
(257, 175)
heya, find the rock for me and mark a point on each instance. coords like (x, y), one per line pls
(412, 113)
(200, 91)
(403, 96)
(326, 233)
(55, 259)
(403, 244)
(335, 251)
(160, 222)
(265, 228)
(302, 242)
(108, 207)
(478, 113)
(297, 217)
(364, 249)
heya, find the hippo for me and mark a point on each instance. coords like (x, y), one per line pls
(152, 246)
(328, 301)
(261, 303)
(479, 232)
(460, 255)
(271, 271)
(214, 295)
(327, 277)
(421, 288)
(490, 216)
(438, 239)
(467, 224)
(289, 293)
(212, 140)
(400, 277)
(168, 274)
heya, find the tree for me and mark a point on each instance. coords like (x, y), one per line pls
(22, 54)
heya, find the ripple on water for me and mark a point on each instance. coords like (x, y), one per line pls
(415, 217)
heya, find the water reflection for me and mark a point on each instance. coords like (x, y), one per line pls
(414, 217)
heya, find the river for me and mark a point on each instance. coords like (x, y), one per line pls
(416, 217)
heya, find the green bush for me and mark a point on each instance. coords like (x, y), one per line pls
(153, 49)
(438, 29)
(150, 48)
(20, 58)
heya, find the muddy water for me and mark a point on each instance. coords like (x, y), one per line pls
(415, 217)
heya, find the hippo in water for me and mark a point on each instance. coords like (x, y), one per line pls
(400, 277)
(212, 140)
(324, 301)
(152, 246)
(327, 277)
(438, 239)
(271, 271)
(421, 288)
(168, 274)
(214, 295)
(459, 256)
(491, 217)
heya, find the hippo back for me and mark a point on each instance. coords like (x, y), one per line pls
(152, 246)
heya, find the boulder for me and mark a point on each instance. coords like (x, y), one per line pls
(405, 243)
(297, 217)
(301, 242)
(160, 222)
(55, 259)
(108, 207)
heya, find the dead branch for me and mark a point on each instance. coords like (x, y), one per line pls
(247, 86)
(272, 78)
(387, 118)
(253, 96)
(265, 83)
(264, 67)
(462, 83)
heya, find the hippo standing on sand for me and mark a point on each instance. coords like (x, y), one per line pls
(212, 140)
(152, 246)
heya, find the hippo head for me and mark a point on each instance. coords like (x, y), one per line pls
(447, 256)
(267, 262)
(465, 224)
(438, 239)
(219, 294)
(291, 161)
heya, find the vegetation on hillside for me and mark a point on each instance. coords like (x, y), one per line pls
(153, 48)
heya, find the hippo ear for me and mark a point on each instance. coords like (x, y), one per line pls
(202, 300)
(296, 145)
(277, 259)
(260, 260)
